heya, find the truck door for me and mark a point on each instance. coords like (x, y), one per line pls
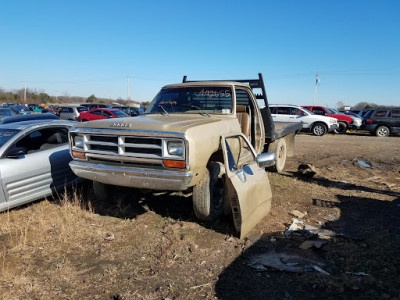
(247, 186)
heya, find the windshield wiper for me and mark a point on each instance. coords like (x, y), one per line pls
(199, 108)
(162, 107)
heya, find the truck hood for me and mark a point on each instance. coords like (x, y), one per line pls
(165, 123)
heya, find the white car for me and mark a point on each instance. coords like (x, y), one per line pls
(317, 124)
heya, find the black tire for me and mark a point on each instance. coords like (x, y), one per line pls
(209, 193)
(280, 150)
(84, 120)
(101, 191)
(342, 128)
(382, 131)
(319, 129)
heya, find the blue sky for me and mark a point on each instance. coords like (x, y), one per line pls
(90, 47)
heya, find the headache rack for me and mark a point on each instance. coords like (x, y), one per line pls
(270, 134)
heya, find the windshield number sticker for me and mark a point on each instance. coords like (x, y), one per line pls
(170, 102)
(213, 93)
(6, 133)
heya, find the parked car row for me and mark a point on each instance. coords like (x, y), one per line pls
(317, 119)
(317, 124)
(382, 122)
(321, 120)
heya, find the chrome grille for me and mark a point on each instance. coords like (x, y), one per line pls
(142, 147)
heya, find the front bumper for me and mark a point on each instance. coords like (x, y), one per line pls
(170, 180)
(353, 126)
(333, 127)
(370, 127)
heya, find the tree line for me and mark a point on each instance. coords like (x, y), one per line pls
(361, 105)
(39, 96)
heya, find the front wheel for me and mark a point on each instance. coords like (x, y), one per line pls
(382, 131)
(342, 128)
(209, 193)
(319, 129)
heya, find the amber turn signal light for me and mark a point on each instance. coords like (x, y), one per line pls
(174, 164)
(77, 154)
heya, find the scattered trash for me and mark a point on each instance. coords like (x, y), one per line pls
(298, 214)
(322, 233)
(284, 262)
(257, 266)
(296, 225)
(109, 236)
(364, 164)
(320, 270)
(306, 170)
(309, 231)
(200, 286)
(317, 243)
(358, 273)
(272, 239)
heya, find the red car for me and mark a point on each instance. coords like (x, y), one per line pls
(344, 121)
(100, 113)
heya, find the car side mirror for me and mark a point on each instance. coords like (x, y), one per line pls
(17, 152)
(265, 160)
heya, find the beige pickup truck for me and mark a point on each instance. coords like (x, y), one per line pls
(207, 136)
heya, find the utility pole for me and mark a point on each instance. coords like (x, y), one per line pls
(316, 87)
(129, 96)
(25, 93)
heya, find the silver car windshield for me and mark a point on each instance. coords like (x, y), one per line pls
(6, 134)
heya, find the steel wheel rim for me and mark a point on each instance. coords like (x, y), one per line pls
(382, 131)
(319, 130)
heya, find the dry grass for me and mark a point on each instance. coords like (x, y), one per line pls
(40, 237)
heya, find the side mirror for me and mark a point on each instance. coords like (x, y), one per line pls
(265, 160)
(17, 152)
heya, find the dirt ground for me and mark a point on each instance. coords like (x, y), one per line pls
(150, 246)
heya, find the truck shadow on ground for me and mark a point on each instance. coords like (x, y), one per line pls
(322, 181)
(370, 245)
(128, 203)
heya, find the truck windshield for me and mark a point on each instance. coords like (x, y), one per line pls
(210, 100)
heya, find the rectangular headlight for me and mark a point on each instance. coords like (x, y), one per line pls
(78, 141)
(175, 148)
